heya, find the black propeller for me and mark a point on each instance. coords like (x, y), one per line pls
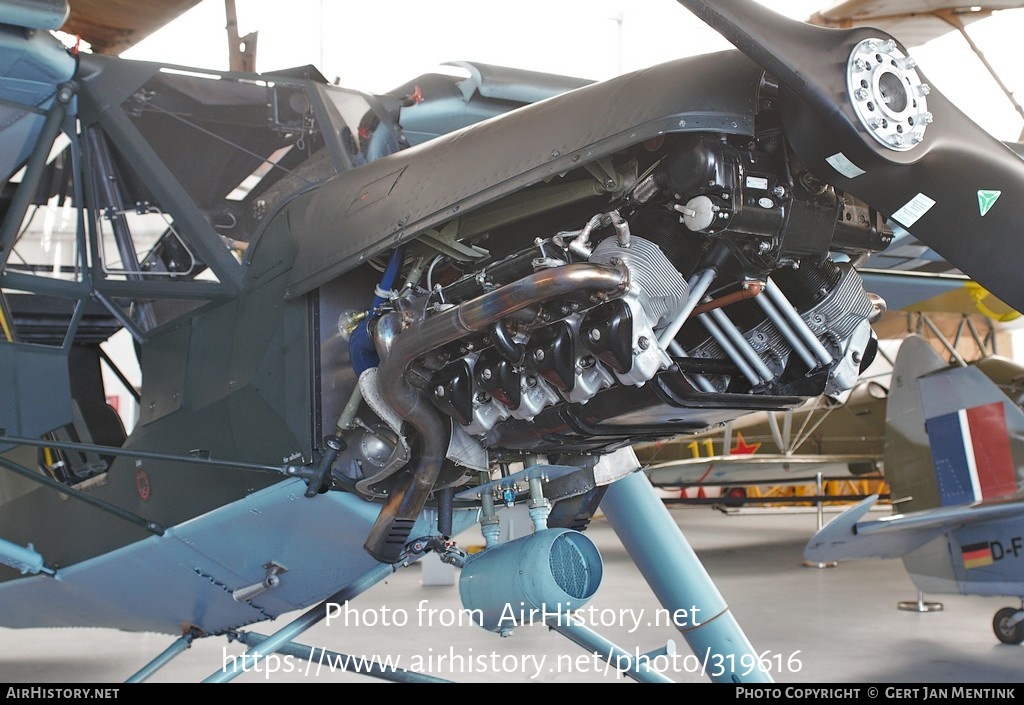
(860, 115)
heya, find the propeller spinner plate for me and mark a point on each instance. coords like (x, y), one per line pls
(887, 94)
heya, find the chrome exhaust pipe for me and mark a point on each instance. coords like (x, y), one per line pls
(391, 531)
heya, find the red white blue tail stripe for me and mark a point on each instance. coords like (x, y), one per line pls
(971, 451)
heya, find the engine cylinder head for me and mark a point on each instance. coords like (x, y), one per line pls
(659, 284)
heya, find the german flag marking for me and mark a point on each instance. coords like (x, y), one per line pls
(977, 555)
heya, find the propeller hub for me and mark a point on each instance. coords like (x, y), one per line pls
(887, 94)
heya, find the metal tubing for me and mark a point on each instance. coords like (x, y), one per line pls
(679, 580)
(977, 336)
(749, 291)
(787, 332)
(945, 342)
(335, 658)
(76, 319)
(700, 381)
(581, 244)
(490, 526)
(742, 344)
(780, 442)
(698, 288)
(798, 323)
(348, 414)
(117, 313)
(144, 454)
(150, 526)
(23, 558)
(180, 644)
(730, 349)
(129, 387)
(635, 665)
(300, 624)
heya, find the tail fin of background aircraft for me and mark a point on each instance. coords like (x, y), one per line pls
(952, 435)
(954, 441)
(907, 461)
(953, 454)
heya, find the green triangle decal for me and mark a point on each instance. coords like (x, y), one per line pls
(987, 199)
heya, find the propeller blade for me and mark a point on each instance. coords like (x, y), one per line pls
(860, 115)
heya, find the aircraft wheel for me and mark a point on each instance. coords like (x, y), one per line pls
(1008, 634)
(735, 496)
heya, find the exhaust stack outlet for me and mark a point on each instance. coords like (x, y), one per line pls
(544, 575)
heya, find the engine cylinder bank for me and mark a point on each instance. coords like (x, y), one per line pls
(519, 583)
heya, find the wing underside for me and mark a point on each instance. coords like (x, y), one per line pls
(759, 469)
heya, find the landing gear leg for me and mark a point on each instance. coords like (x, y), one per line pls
(678, 578)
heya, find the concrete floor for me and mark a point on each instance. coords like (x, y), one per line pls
(821, 625)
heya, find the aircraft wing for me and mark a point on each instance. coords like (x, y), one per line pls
(194, 570)
(914, 21)
(847, 537)
(112, 26)
(31, 70)
(935, 293)
(755, 469)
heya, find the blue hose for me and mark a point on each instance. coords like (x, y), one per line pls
(361, 350)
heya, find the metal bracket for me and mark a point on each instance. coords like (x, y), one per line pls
(445, 242)
(269, 582)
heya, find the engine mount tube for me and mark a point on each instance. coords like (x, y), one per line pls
(390, 532)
